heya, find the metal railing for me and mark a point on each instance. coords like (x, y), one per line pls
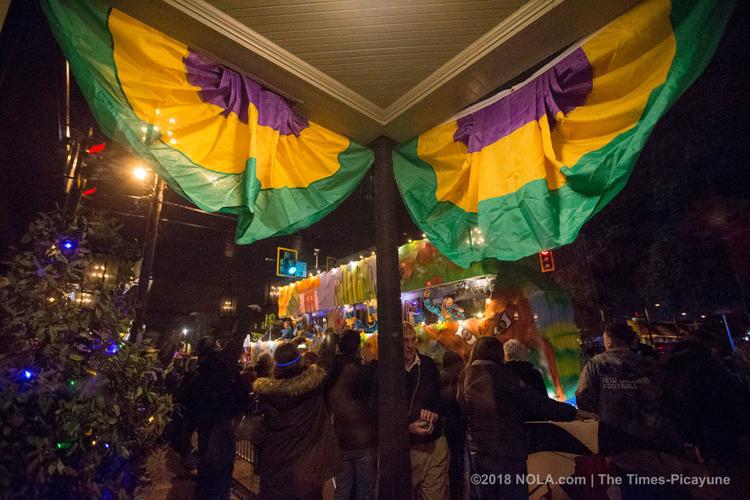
(244, 450)
(246, 479)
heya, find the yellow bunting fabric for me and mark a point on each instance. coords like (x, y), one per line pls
(218, 137)
(524, 171)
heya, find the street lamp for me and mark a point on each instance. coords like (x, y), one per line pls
(184, 331)
(140, 173)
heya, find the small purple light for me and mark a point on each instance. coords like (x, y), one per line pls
(106, 445)
(27, 374)
(112, 349)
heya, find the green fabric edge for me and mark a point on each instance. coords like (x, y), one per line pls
(329, 192)
(88, 23)
(449, 227)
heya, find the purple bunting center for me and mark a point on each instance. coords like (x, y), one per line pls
(233, 92)
(563, 87)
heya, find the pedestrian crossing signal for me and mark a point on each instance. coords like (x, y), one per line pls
(546, 261)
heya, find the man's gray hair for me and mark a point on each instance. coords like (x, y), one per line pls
(515, 351)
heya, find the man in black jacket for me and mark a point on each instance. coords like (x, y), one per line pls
(626, 390)
(351, 398)
(429, 450)
(215, 396)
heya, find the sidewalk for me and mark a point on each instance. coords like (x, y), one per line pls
(172, 482)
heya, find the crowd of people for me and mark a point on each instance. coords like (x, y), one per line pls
(314, 415)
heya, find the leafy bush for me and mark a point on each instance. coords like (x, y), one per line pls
(80, 407)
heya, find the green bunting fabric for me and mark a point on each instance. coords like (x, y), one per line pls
(524, 171)
(217, 137)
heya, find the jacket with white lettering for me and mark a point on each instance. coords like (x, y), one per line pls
(625, 390)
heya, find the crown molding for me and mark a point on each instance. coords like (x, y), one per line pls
(246, 37)
(527, 14)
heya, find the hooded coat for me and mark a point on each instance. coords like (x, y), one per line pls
(296, 446)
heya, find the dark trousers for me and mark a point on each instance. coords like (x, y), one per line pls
(215, 460)
(181, 435)
(499, 478)
(456, 437)
(357, 476)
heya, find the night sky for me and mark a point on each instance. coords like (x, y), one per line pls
(678, 231)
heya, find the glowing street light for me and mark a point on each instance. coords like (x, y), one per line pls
(184, 331)
(140, 173)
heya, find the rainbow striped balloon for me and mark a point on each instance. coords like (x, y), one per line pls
(219, 138)
(528, 168)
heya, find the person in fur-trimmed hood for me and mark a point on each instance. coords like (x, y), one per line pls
(297, 450)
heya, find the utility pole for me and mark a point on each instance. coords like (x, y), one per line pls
(393, 451)
(149, 249)
(72, 147)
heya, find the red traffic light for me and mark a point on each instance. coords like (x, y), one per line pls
(96, 148)
(546, 261)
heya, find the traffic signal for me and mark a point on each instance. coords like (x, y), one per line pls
(287, 264)
(96, 148)
(546, 261)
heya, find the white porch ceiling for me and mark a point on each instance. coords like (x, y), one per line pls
(381, 49)
(384, 67)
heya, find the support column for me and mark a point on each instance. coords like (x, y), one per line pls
(393, 450)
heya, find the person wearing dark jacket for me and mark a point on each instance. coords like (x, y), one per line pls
(517, 359)
(709, 407)
(351, 398)
(214, 397)
(454, 423)
(626, 390)
(497, 403)
(428, 452)
(297, 450)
